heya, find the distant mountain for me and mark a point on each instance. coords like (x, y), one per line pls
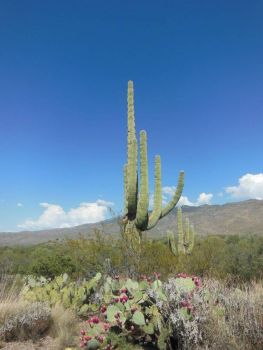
(232, 218)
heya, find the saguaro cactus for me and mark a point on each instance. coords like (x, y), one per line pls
(137, 218)
(185, 236)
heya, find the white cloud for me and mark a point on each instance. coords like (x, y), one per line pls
(203, 198)
(54, 216)
(249, 186)
(185, 201)
(19, 204)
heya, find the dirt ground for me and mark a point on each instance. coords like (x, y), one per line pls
(46, 343)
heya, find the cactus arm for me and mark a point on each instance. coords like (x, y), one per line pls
(181, 238)
(191, 239)
(125, 173)
(157, 206)
(143, 202)
(176, 197)
(172, 242)
(132, 156)
(131, 118)
(187, 233)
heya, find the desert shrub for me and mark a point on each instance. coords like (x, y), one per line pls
(93, 254)
(156, 256)
(15, 260)
(50, 262)
(183, 293)
(233, 316)
(222, 317)
(244, 258)
(24, 321)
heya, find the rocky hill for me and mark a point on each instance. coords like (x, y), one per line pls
(232, 218)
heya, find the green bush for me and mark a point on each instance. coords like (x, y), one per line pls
(238, 257)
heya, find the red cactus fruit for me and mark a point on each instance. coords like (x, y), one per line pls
(87, 337)
(106, 326)
(100, 338)
(94, 319)
(103, 308)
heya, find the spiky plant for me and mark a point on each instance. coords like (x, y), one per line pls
(137, 218)
(185, 236)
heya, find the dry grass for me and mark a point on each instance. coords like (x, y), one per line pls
(64, 327)
(10, 302)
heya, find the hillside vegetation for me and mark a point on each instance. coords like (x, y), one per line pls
(238, 257)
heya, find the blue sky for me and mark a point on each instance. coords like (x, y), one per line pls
(64, 66)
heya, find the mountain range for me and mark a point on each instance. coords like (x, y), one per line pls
(244, 217)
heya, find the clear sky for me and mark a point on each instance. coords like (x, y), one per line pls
(197, 67)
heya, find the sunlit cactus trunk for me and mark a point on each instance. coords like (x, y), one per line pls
(189, 237)
(136, 215)
(181, 234)
(186, 235)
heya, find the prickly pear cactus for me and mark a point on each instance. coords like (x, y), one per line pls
(139, 311)
(128, 308)
(61, 290)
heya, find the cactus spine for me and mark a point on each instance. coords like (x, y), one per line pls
(185, 236)
(136, 216)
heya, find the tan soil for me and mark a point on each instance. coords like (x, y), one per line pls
(46, 343)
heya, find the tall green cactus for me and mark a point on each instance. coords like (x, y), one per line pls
(136, 215)
(185, 236)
